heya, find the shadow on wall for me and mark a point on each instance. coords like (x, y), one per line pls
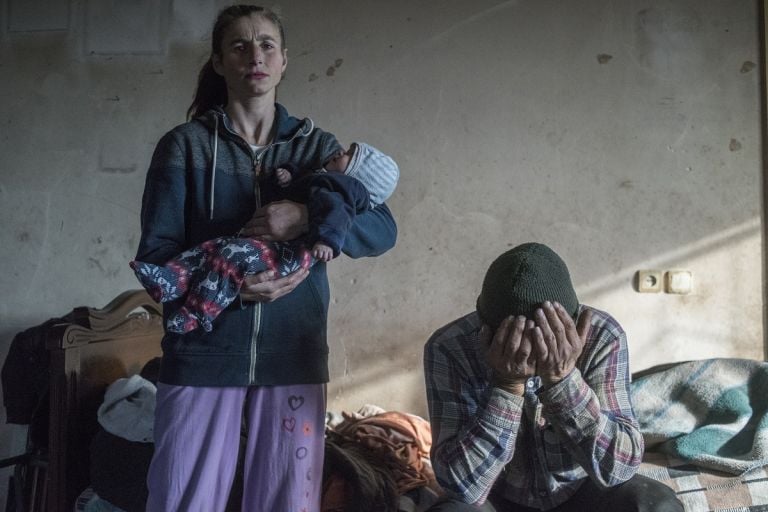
(404, 390)
(707, 245)
(672, 335)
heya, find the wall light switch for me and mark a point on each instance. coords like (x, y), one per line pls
(679, 281)
(649, 281)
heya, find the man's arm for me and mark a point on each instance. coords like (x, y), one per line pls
(590, 408)
(474, 425)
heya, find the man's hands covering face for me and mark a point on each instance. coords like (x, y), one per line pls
(510, 353)
(557, 341)
(547, 345)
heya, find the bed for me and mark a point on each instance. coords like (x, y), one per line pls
(705, 425)
(93, 348)
(703, 490)
(97, 346)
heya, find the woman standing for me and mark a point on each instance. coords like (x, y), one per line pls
(265, 361)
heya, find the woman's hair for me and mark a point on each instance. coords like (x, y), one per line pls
(368, 479)
(211, 88)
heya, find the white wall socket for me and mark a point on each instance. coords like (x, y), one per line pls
(649, 281)
(678, 281)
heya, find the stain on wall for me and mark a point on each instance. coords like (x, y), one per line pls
(332, 69)
(604, 58)
(747, 66)
(505, 128)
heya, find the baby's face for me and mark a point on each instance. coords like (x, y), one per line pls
(340, 161)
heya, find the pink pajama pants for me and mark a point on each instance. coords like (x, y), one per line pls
(197, 436)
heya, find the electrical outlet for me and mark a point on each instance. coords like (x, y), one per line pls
(679, 282)
(649, 281)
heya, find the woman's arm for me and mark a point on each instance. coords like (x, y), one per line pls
(372, 233)
(163, 231)
(278, 222)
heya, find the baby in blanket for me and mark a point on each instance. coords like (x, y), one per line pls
(209, 276)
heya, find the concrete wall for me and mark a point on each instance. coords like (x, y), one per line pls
(624, 134)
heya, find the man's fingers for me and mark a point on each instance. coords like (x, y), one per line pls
(539, 345)
(516, 336)
(499, 342)
(570, 330)
(524, 350)
(506, 339)
(558, 322)
(485, 336)
(543, 323)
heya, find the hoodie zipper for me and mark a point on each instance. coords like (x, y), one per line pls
(257, 306)
(257, 310)
(256, 162)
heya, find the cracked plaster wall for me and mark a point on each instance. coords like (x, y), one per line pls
(624, 134)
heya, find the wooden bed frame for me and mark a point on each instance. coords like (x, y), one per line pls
(86, 355)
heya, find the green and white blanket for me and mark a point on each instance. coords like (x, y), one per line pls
(711, 413)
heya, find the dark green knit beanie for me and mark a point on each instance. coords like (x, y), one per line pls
(520, 280)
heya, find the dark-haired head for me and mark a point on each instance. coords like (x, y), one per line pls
(211, 87)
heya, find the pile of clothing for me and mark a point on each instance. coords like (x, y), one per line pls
(378, 460)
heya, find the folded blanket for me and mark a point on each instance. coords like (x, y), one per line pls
(711, 413)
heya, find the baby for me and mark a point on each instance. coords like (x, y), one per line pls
(338, 163)
(209, 276)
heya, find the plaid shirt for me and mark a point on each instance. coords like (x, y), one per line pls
(536, 449)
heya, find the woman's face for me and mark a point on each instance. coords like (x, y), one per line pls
(251, 60)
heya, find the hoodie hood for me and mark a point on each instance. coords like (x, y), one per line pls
(288, 127)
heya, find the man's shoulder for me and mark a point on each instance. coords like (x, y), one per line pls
(603, 323)
(456, 331)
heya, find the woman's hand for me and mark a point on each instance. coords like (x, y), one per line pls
(263, 287)
(277, 222)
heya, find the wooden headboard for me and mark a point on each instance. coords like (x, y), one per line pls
(86, 355)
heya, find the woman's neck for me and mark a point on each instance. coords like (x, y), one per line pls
(252, 120)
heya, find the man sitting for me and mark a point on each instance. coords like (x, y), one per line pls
(529, 400)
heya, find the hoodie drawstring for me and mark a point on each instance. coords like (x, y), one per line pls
(213, 164)
(303, 131)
